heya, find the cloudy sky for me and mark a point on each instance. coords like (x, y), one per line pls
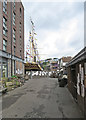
(59, 27)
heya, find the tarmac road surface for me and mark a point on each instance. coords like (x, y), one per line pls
(40, 98)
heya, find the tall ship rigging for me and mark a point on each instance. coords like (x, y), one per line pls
(32, 54)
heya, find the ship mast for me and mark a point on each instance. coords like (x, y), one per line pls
(32, 51)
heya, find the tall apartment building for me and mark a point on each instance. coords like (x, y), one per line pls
(11, 38)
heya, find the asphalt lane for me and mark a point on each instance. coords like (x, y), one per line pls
(40, 98)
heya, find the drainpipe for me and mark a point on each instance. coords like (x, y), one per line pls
(11, 39)
(1, 68)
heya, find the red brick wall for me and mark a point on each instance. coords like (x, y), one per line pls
(0, 26)
(18, 5)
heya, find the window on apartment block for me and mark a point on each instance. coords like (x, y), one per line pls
(20, 12)
(20, 41)
(4, 45)
(20, 53)
(14, 18)
(5, 6)
(4, 26)
(14, 4)
(20, 27)
(14, 37)
(14, 50)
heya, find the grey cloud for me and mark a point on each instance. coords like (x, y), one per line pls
(51, 15)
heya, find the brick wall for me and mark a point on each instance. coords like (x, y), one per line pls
(0, 25)
(18, 19)
(18, 35)
(19, 67)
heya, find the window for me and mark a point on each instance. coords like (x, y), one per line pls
(20, 41)
(20, 53)
(14, 4)
(4, 32)
(20, 12)
(14, 18)
(4, 26)
(4, 45)
(5, 6)
(14, 37)
(4, 22)
(14, 50)
(4, 69)
(20, 27)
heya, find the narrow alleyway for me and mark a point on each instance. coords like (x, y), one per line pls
(40, 98)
